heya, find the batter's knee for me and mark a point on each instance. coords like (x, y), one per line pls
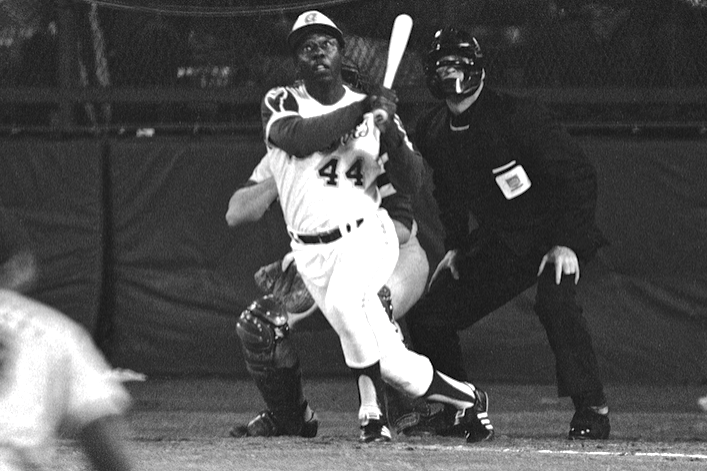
(406, 371)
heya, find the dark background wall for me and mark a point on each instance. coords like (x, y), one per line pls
(131, 232)
(133, 244)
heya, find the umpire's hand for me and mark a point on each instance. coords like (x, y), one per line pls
(449, 262)
(565, 261)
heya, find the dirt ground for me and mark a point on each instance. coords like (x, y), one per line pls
(182, 424)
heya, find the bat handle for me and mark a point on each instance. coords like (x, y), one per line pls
(380, 116)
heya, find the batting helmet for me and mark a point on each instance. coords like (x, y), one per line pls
(456, 48)
(313, 22)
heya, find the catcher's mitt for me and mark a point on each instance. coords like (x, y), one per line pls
(284, 282)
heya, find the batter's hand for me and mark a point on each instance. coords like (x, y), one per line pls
(384, 99)
(565, 260)
(449, 262)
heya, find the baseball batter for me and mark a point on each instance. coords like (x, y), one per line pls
(51, 375)
(274, 364)
(325, 157)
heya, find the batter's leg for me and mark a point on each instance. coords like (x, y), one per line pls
(374, 426)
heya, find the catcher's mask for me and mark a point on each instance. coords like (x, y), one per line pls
(454, 64)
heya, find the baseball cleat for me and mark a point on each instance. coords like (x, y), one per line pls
(588, 424)
(310, 427)
(438, 419)
(475, 420)
(262, 425)
(374, 430)
(266, 424)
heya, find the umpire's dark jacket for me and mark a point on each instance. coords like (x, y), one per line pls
(518, 172)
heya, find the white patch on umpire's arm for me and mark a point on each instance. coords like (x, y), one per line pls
(512, 179)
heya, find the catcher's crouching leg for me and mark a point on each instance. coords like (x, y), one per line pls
(274, 366)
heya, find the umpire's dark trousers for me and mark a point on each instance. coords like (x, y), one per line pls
(488, 279)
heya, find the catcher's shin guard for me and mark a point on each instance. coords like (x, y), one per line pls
(272, 362)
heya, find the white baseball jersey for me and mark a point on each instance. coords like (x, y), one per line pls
(332, 186)
(51, 375)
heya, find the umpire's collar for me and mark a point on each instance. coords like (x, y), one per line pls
(459, 117)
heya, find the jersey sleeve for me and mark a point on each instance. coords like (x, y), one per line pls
(404, 163)
(278, 103)
(288, 130)
(262, 171)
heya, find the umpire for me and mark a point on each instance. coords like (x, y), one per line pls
(532, 192)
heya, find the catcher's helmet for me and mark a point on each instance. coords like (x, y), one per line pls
(456, 48)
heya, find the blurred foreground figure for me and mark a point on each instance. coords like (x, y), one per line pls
(51, 374)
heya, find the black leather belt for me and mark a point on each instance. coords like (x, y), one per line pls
(325, 237)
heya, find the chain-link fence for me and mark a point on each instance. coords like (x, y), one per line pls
(117, 64)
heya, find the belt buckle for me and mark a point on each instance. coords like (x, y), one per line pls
(349, 227)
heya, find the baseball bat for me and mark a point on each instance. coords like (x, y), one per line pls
(399, 36)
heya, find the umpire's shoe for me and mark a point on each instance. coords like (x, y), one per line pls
(374, 430)
(267, 424)
(475, 420)
(588, 424)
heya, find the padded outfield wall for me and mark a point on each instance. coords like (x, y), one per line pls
(133, 244)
